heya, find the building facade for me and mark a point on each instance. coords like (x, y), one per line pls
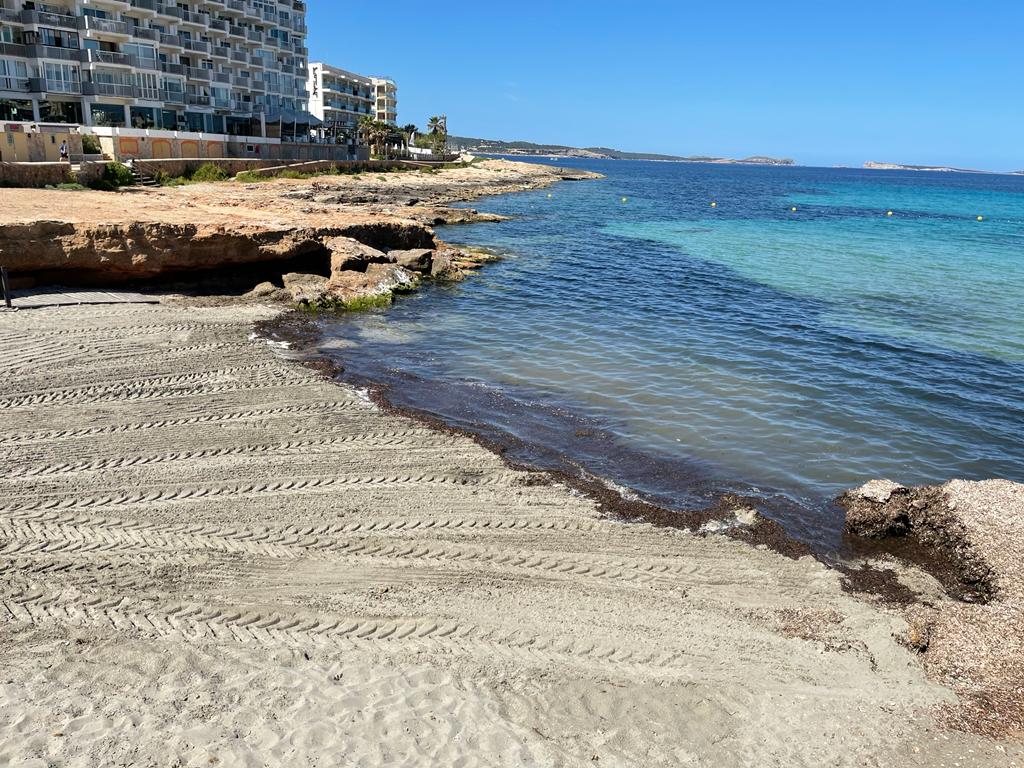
(231, 67)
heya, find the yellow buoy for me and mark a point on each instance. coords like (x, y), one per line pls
(714, 205)
(793, 209)
(625, 199)
(888, 213)
(981, 218)
(550, 195)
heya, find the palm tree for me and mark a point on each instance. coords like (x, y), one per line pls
(375, 133)
(438, 127)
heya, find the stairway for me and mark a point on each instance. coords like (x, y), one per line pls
(143, 179)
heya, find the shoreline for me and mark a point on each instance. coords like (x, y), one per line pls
(327, 575)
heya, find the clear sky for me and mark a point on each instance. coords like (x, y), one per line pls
(824, 82)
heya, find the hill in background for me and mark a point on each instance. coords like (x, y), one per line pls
(498, 147)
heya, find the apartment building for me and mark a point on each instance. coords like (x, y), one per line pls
(235, 67)
(385, 94)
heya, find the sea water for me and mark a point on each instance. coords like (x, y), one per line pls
(689, 329)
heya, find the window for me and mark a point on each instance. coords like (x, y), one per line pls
(13, 75)
(56, 38)
(108, 115)
(62, 78)
(148, 86)
(16, 110)
(140, 51)
(60, 112)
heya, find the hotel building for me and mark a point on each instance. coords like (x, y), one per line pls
(341, 99)
(233, 67)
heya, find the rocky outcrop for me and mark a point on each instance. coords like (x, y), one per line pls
(377, 285)
(350, 254)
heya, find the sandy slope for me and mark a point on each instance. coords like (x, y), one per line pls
(209, 555)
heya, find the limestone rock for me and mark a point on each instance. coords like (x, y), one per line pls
(262, 291)
(415, 259)
(379, 280)
(349, 254)
(306, 289)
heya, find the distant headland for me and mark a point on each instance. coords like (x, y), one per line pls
(872, 165)
(527, 148)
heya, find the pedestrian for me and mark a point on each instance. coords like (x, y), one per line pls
(64, 152)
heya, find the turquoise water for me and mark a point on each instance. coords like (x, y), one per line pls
(683, 349)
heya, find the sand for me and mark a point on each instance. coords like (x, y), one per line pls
(211, 555)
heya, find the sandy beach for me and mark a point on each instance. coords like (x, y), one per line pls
(212, 554)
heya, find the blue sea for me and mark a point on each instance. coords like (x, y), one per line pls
(685, 330)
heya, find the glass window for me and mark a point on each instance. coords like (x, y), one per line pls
(108, 115)
(16, 109)
(60, 112)
(143, 117)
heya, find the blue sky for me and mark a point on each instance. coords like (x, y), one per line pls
(824, 82)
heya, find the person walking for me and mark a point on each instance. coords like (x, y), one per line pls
(64, 158)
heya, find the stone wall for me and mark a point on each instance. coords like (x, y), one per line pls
(184, 166)
(34, 174)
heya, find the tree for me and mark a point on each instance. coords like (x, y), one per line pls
(438, 127)
(375, 133)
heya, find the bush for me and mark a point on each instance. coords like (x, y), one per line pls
(91, 145)
(249, 176)
(209, 172)
(114, 177)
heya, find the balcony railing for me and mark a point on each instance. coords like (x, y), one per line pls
(110, 27)
(172, 97)
(109, 89)
(43, 18)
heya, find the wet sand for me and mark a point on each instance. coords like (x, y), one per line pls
(211, 554)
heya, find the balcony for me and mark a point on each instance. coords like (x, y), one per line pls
(142, 33)
(145, 5)
(172, 97)
(170, 41)
(197, 73)
(51, 85)
(196, 45)
(53, 52)
(197, 100)
(88, 56)
(172, 69)
(104, 26)
(109, 89)
(42, 18)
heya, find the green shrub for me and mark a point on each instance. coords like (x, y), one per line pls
(71, 186)
(114, 177)
(209, 172)
(249, 176)
(91, 145)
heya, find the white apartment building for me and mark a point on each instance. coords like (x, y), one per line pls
(341, 99)
(235, 67)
